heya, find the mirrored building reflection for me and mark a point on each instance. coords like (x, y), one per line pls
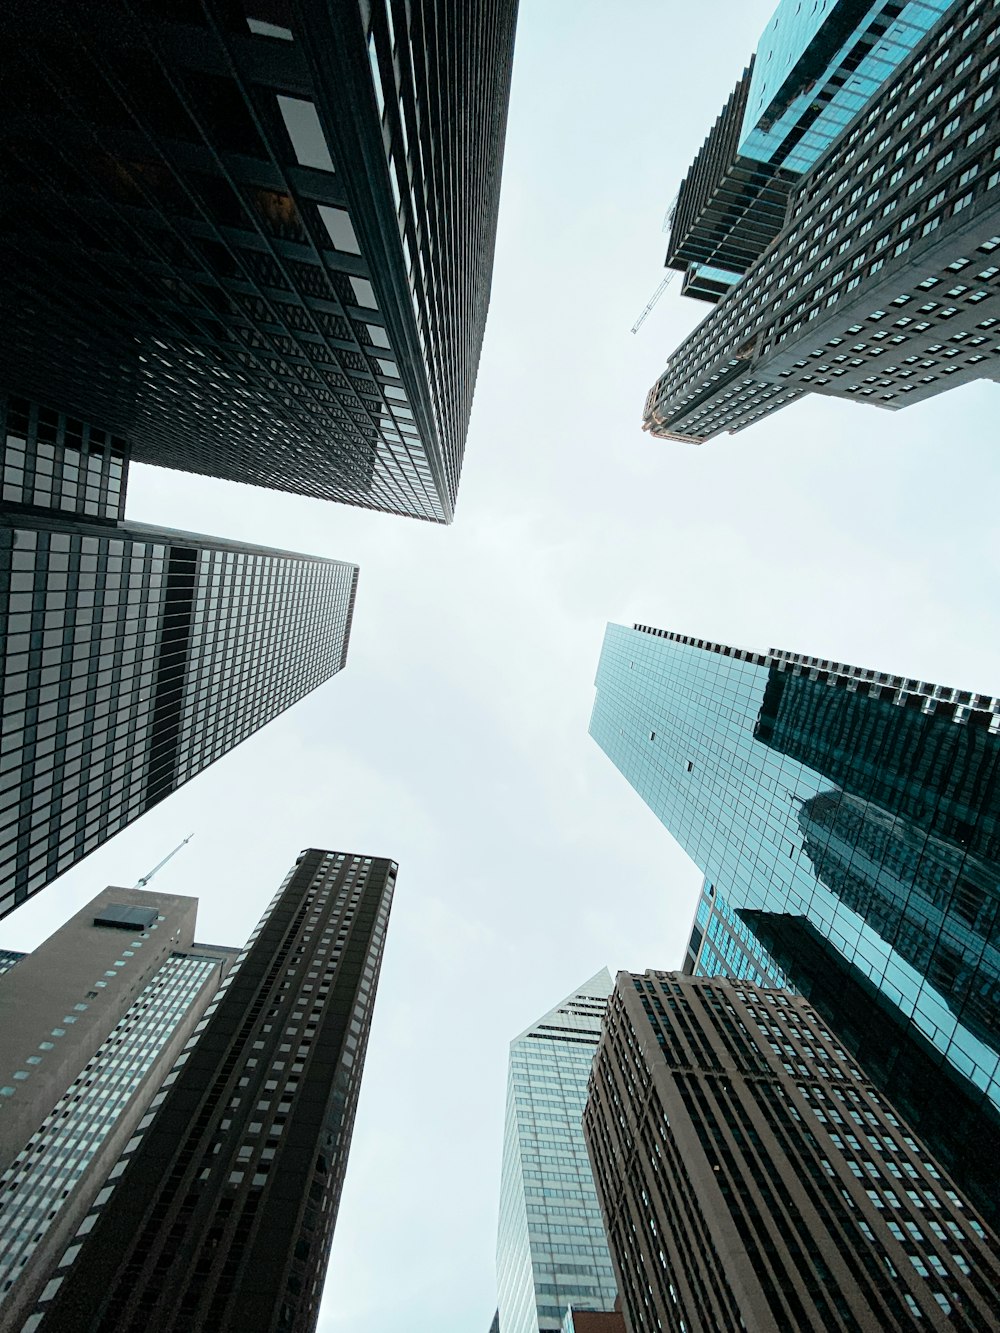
(861, 805)
(255, 238)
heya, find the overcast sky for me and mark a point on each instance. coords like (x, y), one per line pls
(456, 739)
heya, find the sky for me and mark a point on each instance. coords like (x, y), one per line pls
(455, 741)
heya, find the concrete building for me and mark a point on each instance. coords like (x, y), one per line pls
(219, 1214)
(862, 805)
(881, 284)
(752, 1178)
(90, 1023)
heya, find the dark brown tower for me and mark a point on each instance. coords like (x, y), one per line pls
(751, 1176)
(220, 1214)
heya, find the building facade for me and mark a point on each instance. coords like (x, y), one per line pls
(551, 1250)
(722, 943)
(752, 1177)
(90, 1023)
(256, 241)
(864, 805)
(881, 284)
(219, 1214)
(134, 655)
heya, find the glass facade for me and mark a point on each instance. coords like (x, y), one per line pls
(133, 657)
(722, 942)
(280, 274)
(866, 804)
(52, 461)
(817, 66)
(551, 1247)
(9, 958)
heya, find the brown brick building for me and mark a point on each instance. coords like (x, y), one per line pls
(751, 1177)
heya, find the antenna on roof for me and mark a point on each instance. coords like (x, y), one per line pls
(159, 866)
(653, 300)
(668, 222)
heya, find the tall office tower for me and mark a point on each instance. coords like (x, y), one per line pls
(551, 1250)
(134, 655)
(852, 812)
(753, 1178)
(254, 237)
(219, 1214)
(880, 284)
(90, 1023)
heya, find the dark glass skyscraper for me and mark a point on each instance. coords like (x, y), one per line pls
(853, 812)
(879, 282)
(219, 1214)
(133, 655)
(90, 1023)
(753, 1178)
(254, 238)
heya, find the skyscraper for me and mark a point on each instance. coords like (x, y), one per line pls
(256, 240)
(220, 1212)
(841, 805)
(551, 1250)
(878, 283)
(90, 1023)
(753, 1178)
(134, 655)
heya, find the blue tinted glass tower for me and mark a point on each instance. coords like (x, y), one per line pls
(848, 823)
(551, 1247)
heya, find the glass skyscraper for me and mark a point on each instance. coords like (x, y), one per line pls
(721, 941)
(815, 68)
(855, 812)
(551, 1249)
(817, 65)
(255, 240)
(134, 656)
